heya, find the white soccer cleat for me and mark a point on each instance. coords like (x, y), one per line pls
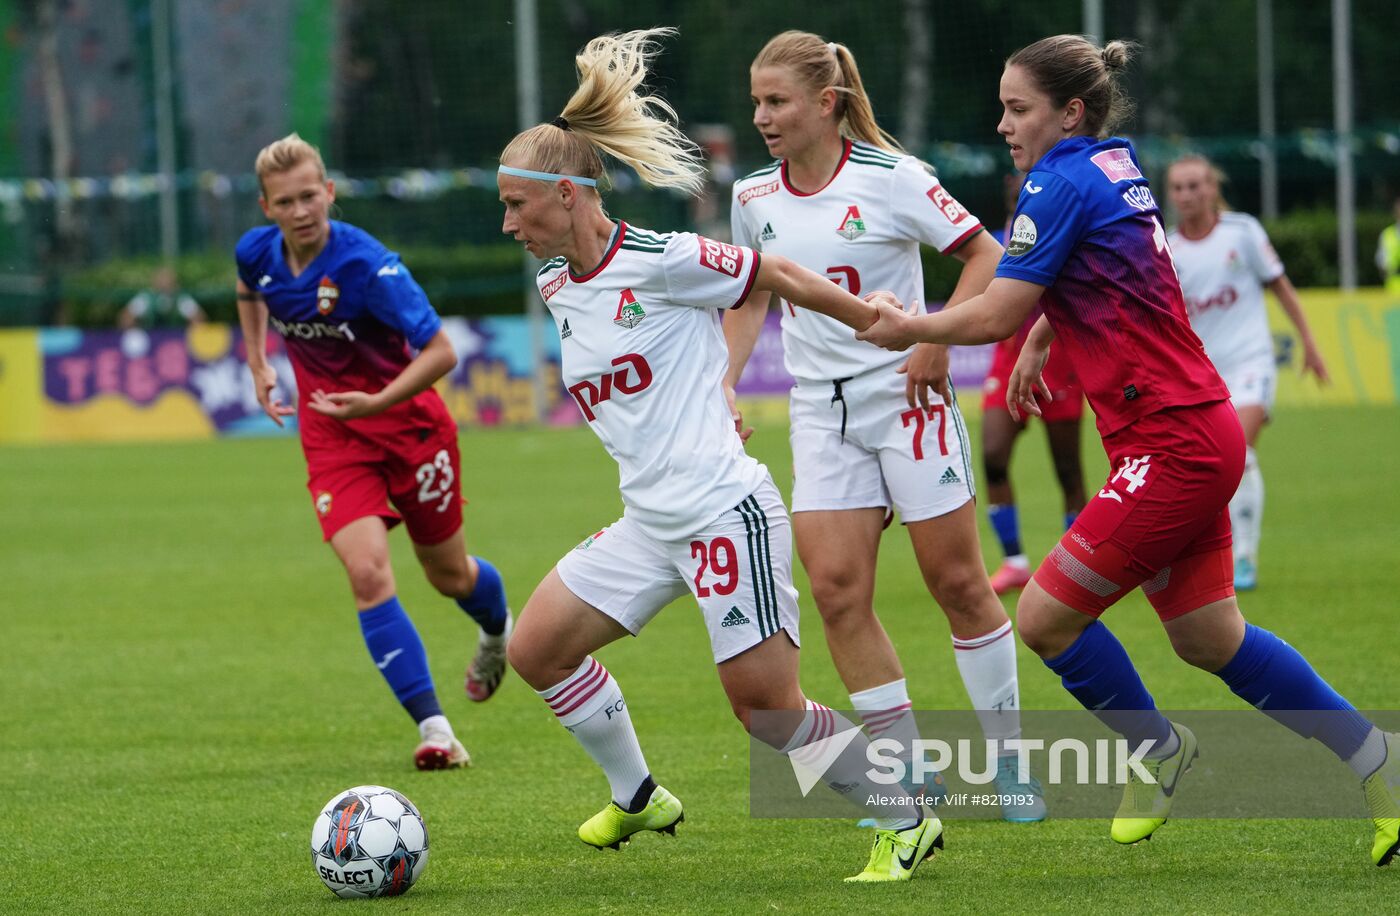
(440, 750)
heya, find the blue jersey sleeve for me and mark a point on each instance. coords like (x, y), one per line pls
(1050, 220)
(396, 299)
(245, 255)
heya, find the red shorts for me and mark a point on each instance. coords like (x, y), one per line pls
(412, 475)
(1161, 521)
(1067, 396)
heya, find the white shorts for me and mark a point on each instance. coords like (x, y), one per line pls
(890, 455)
(1252, 382)
(739, 568)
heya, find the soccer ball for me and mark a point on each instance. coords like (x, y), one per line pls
(369, 841)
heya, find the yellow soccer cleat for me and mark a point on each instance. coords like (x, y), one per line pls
(1145, 806)
(611, 827)
(1382, 790)
(898, 852)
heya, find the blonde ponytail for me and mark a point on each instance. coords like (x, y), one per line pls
(606, 114)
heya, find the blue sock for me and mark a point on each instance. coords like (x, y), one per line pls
(398, 653)
(487, 602)
(1096, 670)
(1270, 675)
(1069, 519)
(1007, 527)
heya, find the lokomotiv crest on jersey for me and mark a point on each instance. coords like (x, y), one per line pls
(629, 311)
(327, 295)
(852, 226)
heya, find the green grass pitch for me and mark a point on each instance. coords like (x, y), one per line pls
(184, 686)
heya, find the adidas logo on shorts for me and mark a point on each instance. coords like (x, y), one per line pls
(949, 476)
(735, 618)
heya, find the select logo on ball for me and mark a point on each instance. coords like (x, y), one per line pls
(369, 841)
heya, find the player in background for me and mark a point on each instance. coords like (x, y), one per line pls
(872, 433)
(1224, 261)
(380, 445)
(1089, 245)
(644, 356)
(1388, 254)
(1000, 430)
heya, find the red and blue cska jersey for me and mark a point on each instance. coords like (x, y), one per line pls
(1088, 229)
(349, 319)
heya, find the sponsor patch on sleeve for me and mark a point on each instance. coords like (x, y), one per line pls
(721, 256)
(948, 204)
(1117, 164)
(1023, 235)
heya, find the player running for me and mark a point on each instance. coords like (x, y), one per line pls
(1087, 242)
(1000, 431)
(1224, 261)
(373, 431)
(644, 357)
(845, 200)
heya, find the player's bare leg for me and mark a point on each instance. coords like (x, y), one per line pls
(764, 679)
(1247, 505)
(984, 643)
(839, 551)
(999, 434)
(552, 650)
(393, 641)
(476, 587)
(1063, 438)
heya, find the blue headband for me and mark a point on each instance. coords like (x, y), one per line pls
(547, 176)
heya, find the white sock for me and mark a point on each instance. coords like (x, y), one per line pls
(987, 664)
(1020, 561)
(887, 713)
(589, 704)
(1369, 757)
(847, 774)
(1247, 509)
(435, 727)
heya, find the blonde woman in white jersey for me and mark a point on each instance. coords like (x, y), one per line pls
(644, 356)
(1225, 261)
(867, 439)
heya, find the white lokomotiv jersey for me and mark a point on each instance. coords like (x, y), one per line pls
(862, 229)
(644, 357)
(1223, 277)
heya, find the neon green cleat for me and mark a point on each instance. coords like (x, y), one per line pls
(1145, 806)
(898, 852)
(1382, 790)
(612, 826)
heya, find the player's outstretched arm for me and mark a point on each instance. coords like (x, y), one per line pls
(812, 291)
(994, 315)
(252, 318)
(436, 359)
(1293, 308)
(926, 369)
